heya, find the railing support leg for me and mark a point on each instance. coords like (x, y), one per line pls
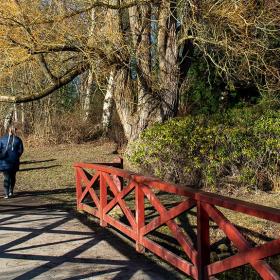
(103, 199)
(140, 216)
(203, 241)
(78, 188)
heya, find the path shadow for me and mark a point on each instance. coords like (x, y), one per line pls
(46, 192)
(39, 168)
(37, 161)
(83, 257)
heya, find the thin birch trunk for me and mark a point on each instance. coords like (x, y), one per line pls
(15, 113)
(88, 96)
(8, 118)
(22, 117)
(90, 81)
(108, 104)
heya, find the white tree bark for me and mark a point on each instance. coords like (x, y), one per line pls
(89, 84)
(88, 95)
(8, 118)
(108, 104)
(22, 115)
(15, 113)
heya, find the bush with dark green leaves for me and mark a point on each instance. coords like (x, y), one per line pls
(240, 147)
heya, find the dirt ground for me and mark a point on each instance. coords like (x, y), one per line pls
(41, 241)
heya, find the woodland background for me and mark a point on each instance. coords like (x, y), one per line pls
(189, 90)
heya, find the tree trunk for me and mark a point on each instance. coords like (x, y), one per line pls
(88, 95)
(90, 80)
(22, 114)
(135, 116)
(168, 61)
(15, 113)
(153, 95)
(8, 118)
(22, 117)
(108, 104)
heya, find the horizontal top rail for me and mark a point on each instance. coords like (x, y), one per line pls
(249, 208)
(107, 169)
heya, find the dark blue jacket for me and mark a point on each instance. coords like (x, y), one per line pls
(14, 151)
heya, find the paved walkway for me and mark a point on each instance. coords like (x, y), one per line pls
(38, 242)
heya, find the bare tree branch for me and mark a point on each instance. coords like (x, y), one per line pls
(122, 6)
(44, 66)
(62, 81)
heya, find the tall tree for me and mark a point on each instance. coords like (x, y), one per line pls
(147, 44)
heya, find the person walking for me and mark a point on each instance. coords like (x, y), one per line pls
(11, 148)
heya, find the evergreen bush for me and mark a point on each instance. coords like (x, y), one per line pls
(237, 147)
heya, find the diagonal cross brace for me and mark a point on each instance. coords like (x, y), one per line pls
(244, 247)
(183, 239)
(126, 210)
(88, 188)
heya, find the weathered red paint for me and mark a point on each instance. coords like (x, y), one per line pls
(140, 217)
(203, 241)
(107, 176)
(78, 187)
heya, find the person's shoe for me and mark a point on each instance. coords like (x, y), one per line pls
(6, 197)
(11, 194)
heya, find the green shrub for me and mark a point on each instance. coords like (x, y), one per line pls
(239, 147)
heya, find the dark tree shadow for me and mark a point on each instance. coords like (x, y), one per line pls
(39, 168)
(37, 161)
(46, 192)
(79, 267)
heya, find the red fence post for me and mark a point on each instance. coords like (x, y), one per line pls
(203, 241)
(140, 215)
(103, 199)
(78, 188)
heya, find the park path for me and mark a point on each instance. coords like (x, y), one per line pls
(40, 241)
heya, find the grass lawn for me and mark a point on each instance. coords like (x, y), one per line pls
(48, 171)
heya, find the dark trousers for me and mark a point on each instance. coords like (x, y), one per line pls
(9, 181)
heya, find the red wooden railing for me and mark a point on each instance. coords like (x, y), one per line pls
(93, 197)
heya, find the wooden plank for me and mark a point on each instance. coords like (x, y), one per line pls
(78, 188)
(164, 186)
(83, 177)
(252, 209)
(181, 237)
(121, 227)
(140, 216)
(90, 210)
(170, 257)
(103, 200)
(203, 241)
(94, 198)
(126, 210)
(88, 186)
(168, 215)
(269, 213)
(107, 169)
(120, 195)
(252, 255)
(184, 240)
(204, 201)
(238, 240)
